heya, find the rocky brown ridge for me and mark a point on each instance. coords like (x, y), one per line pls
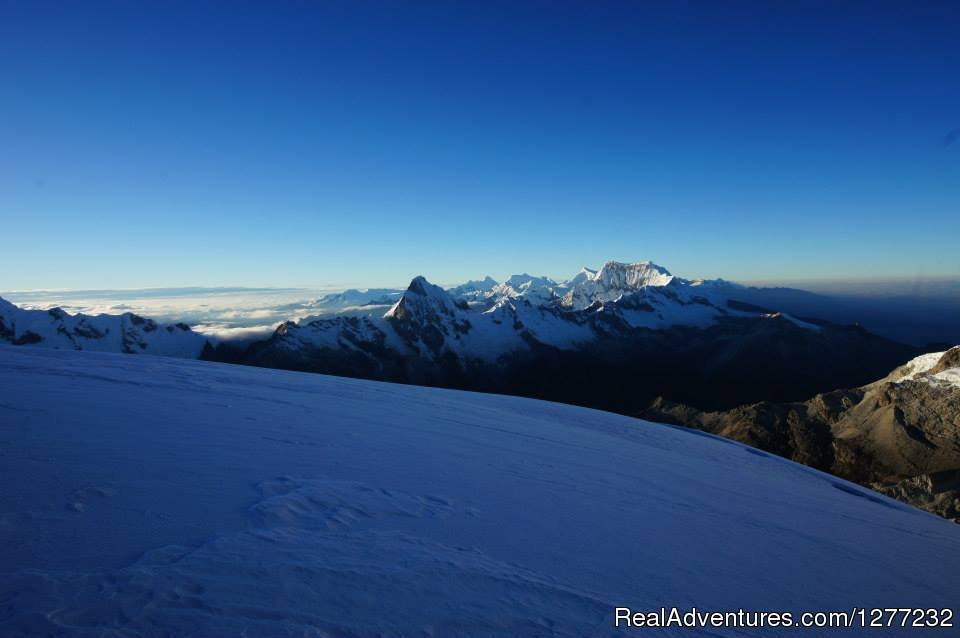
(899, 435)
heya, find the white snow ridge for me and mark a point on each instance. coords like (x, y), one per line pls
(165, 497)
(919, 368)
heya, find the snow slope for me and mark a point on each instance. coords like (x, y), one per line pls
(150, 496)
(940, 369)
(917, 366)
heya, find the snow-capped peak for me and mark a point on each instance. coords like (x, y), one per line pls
(473, 289)
(420, 286)
(584, 275)
(614, 280)
(536, 289)
(423, 298)
(636, 275)
(525, 280)
(486, 283)
(428, 319)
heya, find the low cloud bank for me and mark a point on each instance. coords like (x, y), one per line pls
(223, 313)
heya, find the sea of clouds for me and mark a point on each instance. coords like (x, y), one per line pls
(225, 313)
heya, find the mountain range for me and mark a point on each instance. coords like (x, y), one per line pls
(630, 338)
(589, 340)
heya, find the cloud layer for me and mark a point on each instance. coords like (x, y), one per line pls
(226, 313)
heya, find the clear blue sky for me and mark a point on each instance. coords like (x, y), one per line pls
(360, 143)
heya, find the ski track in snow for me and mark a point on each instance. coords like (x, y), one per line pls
(153, 497)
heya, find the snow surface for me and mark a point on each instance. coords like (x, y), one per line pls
(919, 365)
(949, 378)
(918, 368)
(150, 496)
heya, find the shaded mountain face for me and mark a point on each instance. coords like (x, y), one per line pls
(899, 435)
(926, 317)
(614, 338)
(128, 332)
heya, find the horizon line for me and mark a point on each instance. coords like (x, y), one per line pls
(341, 287)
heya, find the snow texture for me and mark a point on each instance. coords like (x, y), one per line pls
(919, 368)
(152, 496)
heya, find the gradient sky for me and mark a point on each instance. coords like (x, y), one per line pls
(361, 143)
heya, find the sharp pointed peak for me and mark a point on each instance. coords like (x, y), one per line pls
(420, 286)
(421, 295)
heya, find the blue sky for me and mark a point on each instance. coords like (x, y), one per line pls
(152, 144)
